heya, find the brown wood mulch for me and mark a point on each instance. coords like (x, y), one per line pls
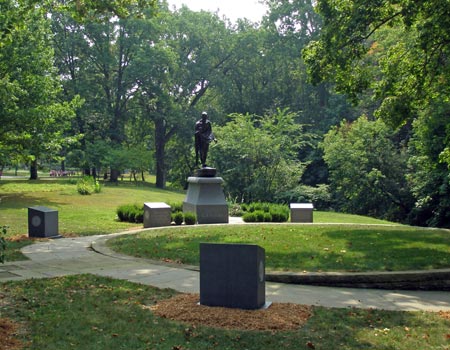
(8, 335)
(278, 317)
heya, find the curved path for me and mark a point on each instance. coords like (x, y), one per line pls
(69, 256)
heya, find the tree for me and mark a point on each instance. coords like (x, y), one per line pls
(367, 170)
(94, 59)
(398, 52)
(33, 117)
(182, 59)
(257, 155)
(413, 69)
(428, 173)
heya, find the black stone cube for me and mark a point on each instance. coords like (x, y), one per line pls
(232, 275)
(42, 222)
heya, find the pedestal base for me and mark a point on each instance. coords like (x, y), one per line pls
(206, 199)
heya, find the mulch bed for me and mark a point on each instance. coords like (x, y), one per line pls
(8, 334)
(278, 317)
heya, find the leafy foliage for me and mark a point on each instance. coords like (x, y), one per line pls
(88, 185)
(264, 212)
(131, 213)
(366, 170)
(190, 218)
(177, 217)
(257, 155)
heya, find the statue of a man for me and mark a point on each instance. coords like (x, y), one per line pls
(203, 137)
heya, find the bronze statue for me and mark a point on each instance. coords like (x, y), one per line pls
(203, 137)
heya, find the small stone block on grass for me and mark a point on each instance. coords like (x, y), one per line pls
(42, 222)
(301, 212)
(156, 214)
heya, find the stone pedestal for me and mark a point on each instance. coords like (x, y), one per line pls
(232, 275)
(206, 199)
(156, 214)
(42, 222)
(301, 212)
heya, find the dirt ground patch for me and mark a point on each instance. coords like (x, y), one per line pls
(445, 314)
(8, 335)
(278, 317)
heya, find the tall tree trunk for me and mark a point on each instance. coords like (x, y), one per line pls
(114, 176)
(33, 170)
(160, 145)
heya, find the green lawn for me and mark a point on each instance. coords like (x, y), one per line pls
(303, 247)
(88, 312)
(78, 215)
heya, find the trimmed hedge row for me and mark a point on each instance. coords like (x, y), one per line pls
(135, 213)
(131, 213)
(265, 212)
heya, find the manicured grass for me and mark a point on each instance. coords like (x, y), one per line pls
(303, 247)
(88, 312)
(78, 215)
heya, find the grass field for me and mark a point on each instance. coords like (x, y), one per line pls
(340, 247)
(78, 215)
(88, 312)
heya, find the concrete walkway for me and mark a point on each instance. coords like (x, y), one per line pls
(69, 256)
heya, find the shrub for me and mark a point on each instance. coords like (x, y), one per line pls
(139, 214)
(97, 187)
(265, 212)
(88, 185)
(131, 213)
(267, 217)
(319, 195)
(235, 209)
(190, 218)
(279, 215)
(177, 217)
(176, 207)
(123, 212)
(259, 215)
(249, 217)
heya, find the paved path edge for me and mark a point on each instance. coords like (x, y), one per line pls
(429, 280)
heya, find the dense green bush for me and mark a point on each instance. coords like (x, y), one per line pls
(131, 213)
(177, 217)
(88, 185)
(190, 218)
(176, 207)
(249, 217)
(319, 195)
(264, 212)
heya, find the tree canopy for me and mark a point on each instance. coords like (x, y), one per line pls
(326, 100)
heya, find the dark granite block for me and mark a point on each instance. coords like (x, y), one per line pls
(232, 275)
(42, 222)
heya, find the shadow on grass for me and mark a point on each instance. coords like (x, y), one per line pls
(351, 251)
(23, 200)
(91, 312)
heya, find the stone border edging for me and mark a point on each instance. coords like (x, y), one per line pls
(437, 280)
(401, 280)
